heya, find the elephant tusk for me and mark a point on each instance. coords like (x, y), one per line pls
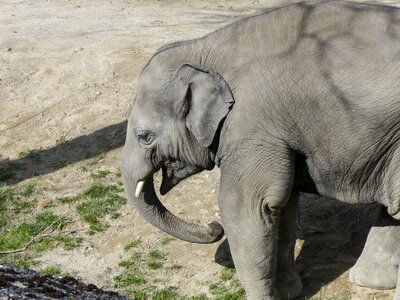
(139, 188)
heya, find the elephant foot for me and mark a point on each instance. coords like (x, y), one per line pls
(373, 275)
(378, 264)
(289, 284)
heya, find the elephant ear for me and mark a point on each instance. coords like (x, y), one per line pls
(207, 101)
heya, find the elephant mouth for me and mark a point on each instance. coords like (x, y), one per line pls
(173, 172)
(168, 182)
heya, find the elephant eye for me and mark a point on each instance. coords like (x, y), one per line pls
(145, 137)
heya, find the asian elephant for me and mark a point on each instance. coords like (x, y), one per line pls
(303, 98)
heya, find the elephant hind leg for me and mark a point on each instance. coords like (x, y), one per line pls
(378, 265)
(288, 280)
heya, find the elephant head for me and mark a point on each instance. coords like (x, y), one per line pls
(173, 126)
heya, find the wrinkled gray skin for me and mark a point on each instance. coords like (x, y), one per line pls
(304, 98)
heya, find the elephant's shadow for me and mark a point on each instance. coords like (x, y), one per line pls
(330, 238)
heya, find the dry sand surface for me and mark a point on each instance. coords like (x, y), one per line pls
(68, 72)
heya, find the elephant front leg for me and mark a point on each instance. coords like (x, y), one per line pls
(253, 244)
(288, 280)
(252, 230)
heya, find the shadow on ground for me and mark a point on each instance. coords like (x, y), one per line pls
(331, 234)
(43, 161)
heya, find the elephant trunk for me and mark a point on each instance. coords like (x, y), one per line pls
(151, 208)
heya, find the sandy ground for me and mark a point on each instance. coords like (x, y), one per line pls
(68, 72)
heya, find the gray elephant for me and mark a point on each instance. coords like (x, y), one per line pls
(304, 98)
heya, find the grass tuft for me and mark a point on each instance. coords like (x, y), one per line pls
(228, 288)
(156, 254)
(166, 294)
(155, 258)
(341, 295)
(199, 297)
(7, 194)
(128, 280)
(132, 244)
(100, 174)
(70, 243)
(101, 200)
(51, 271)
(132, 261)
(68, 200)
(165, 240)
(227, 274)
(19, 236)
(29, 190)
(100, 157)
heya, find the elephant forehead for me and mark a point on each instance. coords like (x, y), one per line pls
(149, 117)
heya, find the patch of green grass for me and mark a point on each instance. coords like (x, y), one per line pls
(29, 190)
(7, 194)
(152, 293)
(118, 174)
(129, 280)
(132, 261)
(98, 158)
(70, 243)
(101, 200)
(156, 254)
(3, 221)
(98, 190)
(25, 206)
(199, 297)
(51, 271)
(68, 200)
(19, 236)
(137, 295)
(154, 265)
(222, 291)
(166, 294)
(21, 259)
(132, 244)
(100, 174)
(341, 295)
(227, 274)
(165, 240)
(83, 168)
(22, 263)
(155, 258)
(31, 154)
(44, 244)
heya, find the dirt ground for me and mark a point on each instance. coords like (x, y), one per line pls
(68, 72)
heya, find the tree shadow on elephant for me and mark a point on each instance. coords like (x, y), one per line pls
(330, 238)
